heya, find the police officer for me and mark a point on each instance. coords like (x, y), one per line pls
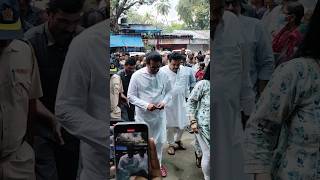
(19, 87)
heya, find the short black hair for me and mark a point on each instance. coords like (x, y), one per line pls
(207, 73)
(131, 61)
(154, 56)
(175, 56)
(127, 54)
(309, 47)
(296, 9)
(67, 6)
(200, 58)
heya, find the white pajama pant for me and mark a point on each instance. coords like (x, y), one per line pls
(205, 162)
(174, 134)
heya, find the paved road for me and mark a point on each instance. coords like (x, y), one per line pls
(182, 165)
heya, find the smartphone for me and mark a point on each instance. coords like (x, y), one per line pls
(111, 157)
(131, 150)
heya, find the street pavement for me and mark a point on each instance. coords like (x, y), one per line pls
(182, 165)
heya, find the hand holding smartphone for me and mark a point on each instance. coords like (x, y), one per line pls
(160, 106)
(131, 151)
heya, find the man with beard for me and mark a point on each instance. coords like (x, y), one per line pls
(127, 109)
(149, 91)
(56, 156)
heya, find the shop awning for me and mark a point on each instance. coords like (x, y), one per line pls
(126, 41)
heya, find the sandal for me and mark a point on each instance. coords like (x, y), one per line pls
(180, 145)
(198, 160)
(171, 150)
(164, 171)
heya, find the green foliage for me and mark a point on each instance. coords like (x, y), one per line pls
(195, 13)
(174, 26)
(119, 7)
(163, 7)
(147, 18)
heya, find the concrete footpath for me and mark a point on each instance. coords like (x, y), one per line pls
(182, 165)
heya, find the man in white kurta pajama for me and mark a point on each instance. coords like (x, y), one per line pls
(149, 92)
(176, 114)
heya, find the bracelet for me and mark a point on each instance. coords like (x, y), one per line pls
(193, 122)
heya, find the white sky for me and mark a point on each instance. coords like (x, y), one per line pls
(151, 9)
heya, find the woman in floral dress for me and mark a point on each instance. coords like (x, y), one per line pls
(198, 108)
(283, 134)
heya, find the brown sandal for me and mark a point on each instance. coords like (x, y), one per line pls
(198, 160)
(171, 150)
(180, 145)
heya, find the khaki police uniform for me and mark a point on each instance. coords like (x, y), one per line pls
(19, 82)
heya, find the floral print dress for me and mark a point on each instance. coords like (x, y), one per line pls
(198, 106)
(283, 134)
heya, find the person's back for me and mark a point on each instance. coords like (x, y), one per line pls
(227, 82)
(82, 110)
(258, 42)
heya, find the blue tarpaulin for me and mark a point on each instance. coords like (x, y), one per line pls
(125, 41)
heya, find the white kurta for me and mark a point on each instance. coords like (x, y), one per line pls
(176, 113)
(81, 104)
(146, 88)
(227, 74)
(272, 21)
(259, 42)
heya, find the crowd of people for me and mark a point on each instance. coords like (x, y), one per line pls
(264, 104)
(133, 160)
(35, 48)
(155, 88)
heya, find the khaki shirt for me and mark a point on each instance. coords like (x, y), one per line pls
(19, 82)
(116, 89)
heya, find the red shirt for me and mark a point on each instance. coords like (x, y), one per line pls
(286, 41)
(199, 74)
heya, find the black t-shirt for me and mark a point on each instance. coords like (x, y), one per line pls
(125, 80)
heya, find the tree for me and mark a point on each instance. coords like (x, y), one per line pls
(174, 26)
(195, 13)
(147, 18)
(163, 8)
(118, 7)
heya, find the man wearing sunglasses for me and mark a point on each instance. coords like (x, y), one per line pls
(149, 92)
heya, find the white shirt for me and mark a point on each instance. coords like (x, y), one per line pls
(259, 42)
(146, 88)
(176, 113)
(226, 86)
(127, 166)
(81, 103)
(143, 162)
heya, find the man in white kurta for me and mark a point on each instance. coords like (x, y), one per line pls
(149, 92)
(176, 114)
(81, 104)
(228, 81)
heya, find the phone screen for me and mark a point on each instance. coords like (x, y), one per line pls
(131, 151)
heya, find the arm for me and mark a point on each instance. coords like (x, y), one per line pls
(275, 106)
(115, 91)
(72, 98)
(192, 80)
(169, 92)
(264, 58)
(133, 94)
(247, 96)
(194, 98)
